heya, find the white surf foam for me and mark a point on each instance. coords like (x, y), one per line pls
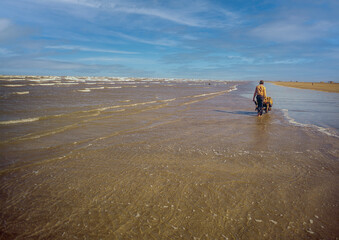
(96, 88)
(67, 83)
(84, 90)
(169, 100)
(307, 125)
(21, 93)
(42, 80)
(26, 120)
(13, 85)
(42, 84)
(234, 88)
(47, 84)
(12, 79)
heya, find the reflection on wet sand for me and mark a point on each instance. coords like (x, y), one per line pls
(179, 162)
(263, 127)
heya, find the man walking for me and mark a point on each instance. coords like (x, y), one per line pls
(260, 92)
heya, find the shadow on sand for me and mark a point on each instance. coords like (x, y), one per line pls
(247, 113)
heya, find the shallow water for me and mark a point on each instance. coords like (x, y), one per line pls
(304, 107)
(159, 160)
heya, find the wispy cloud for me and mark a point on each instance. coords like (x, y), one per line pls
(85, 3)
(4, 24)
(4, 51)
(160, 42)
(292, 30)
(188, 13)
(167, 14)
(46, 66)
(10, 31)
(87, 49)
(133, 60)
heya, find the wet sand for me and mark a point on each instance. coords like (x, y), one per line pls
(326, 87)
(166, 160)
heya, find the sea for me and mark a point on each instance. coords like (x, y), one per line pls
(139, 158)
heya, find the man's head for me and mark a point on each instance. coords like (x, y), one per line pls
(261, 82)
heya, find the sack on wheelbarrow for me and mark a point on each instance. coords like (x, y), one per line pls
(269, 101)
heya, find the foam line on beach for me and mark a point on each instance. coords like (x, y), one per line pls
(84, 90)
(68, 83)
(312, 126)
(209, 95)
(42, 80)
(43, 84)
(13, 85)
(12, 79)
(21, 93)
(77, 113)
(24, 120)
(48, 117)
(99, 110)
(233, 88)
(95, 88)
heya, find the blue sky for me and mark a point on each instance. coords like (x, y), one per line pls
(226, 40)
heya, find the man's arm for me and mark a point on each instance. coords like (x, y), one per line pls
(265, 92)
(255, 93)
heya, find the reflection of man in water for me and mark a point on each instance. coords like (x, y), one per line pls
(260, 92)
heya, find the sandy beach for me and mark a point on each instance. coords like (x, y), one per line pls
(319, 86)
(155, 159)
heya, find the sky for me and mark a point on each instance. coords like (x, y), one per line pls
(279, 40)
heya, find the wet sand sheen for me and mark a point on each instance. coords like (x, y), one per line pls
(189, 168)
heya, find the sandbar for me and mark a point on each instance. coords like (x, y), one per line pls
(318, 86)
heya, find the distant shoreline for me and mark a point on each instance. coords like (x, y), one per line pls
(318, 86)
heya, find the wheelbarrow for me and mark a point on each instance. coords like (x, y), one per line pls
(267, 104)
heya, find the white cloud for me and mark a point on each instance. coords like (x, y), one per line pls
(85, 3)
(291, 61)
(4, 51)
(87, 49)
(173, 16)
(160, 42)
(187, 13)
(290, 31)
(118, 60)
(49, 67)
(10, 31)
(4, 25)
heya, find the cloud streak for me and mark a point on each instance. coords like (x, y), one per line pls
(188, 14)
(160, 42)
(88, 49)
(290, 31)
(46, 66)
(163, 14)
(10, 31)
